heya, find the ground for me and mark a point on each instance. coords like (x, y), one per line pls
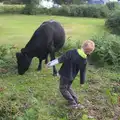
(35, 95)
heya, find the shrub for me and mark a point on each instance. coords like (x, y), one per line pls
(41, 11)
(16, 9)
(12, 2)
(69, 44)
(113, 23)
(107, 50)
(30, 6)
(64, 10)
(97, 11)
(113, 5)
(7, 2)
(6, 54)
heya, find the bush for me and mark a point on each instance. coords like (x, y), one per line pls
(97, 11)
(6, 2)
(113, 23)
(28, 10)
(6, 55)
(113, 5)
(12, 2)
(69, 44)
(107, 50)
(12, 9)
(30, 7)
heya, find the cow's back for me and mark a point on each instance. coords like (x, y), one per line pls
(49, 33)
(56, 32)
(59, 35)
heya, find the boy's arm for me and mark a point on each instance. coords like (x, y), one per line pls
(65, 56)
(82, 74)
(61, 59)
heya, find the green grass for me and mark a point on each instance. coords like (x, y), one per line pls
(18, 29)
(35, 95)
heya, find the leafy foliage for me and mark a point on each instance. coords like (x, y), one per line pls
(12, 9)
(30, 6)
(113, 22)
(113, 5)
(107, 50)
(6, 54)
(96, 11)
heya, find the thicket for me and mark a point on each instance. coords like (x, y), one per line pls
(113, 5)
(82, 10)
(30, 6)
(96, 11)
(7, 58)
(113, 22)
(11, 9)
(107, 50)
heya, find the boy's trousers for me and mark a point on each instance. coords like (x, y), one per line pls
(66, 91)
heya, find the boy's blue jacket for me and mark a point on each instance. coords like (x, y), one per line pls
(73, 62)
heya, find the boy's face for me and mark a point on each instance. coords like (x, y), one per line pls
(88, 47)
(88, 51)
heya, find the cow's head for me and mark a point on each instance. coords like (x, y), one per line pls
(23, 62)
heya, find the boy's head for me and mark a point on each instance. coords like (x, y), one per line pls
(88, 46)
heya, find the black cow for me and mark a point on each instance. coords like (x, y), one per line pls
(47, 39)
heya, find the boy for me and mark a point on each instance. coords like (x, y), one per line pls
(73, 61)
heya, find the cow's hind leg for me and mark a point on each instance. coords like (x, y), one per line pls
(52, 55)
(46, 60)
(40, 65)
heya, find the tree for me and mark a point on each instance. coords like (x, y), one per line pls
(13, 1)
(79, 1)
(30, 6)
(62, 1)
(69, 1)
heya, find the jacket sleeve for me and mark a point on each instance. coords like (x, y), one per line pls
(65, 56)
(82, 74)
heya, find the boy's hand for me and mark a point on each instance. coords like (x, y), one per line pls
(49, 64)
(52, 63)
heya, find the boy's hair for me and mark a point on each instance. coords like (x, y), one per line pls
(89, 45)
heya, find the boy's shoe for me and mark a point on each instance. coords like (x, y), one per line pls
(80, 106)
(74, 106)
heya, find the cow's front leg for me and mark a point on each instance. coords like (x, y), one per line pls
(52, 55)
(40, 65)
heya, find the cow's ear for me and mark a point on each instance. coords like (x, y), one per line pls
(17, 55)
